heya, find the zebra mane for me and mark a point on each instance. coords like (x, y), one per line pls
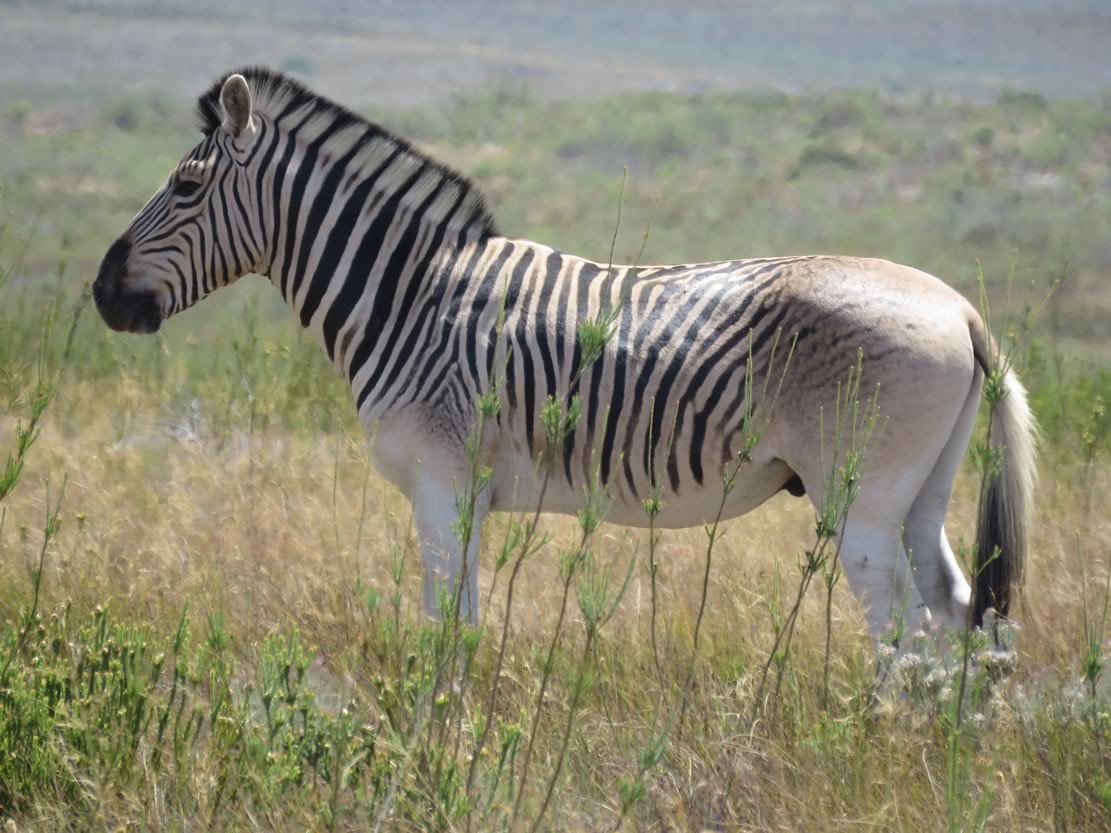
(286, 101)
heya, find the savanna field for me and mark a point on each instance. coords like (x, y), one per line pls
(209, 603)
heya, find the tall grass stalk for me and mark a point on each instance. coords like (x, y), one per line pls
(754, 423)
(30, 616)
(598, 601)
(569, 565)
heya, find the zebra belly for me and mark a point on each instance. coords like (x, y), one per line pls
(518, 487)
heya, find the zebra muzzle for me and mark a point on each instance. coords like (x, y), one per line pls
(123, 310)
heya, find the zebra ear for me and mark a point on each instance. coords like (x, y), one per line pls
(235, 99)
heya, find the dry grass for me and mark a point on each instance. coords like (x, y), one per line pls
(263, 528)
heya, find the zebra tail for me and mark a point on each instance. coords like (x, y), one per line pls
(1007, 495)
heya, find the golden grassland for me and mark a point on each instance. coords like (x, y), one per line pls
(266, 527)
(270, 529)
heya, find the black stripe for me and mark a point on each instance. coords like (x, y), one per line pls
(586, 277)
(521, 338)
(553, 269)
(276, 220)
(487, 288)
(297, 193)
(617, 401)
(245, 217)
(260, 203)
(548, 277)
(215, 250)
(235, 258)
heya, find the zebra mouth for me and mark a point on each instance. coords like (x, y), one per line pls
(128, 312)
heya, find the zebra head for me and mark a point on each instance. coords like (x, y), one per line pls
(195, 234)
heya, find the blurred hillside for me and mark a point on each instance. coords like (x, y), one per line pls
(404, 52)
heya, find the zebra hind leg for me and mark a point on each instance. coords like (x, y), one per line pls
(879, 574)
(435, 513)
(936, 570)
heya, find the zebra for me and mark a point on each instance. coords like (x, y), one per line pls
(395, 264)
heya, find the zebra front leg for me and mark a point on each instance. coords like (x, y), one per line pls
(450, 580)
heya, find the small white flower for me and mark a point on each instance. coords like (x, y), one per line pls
(908, 662)
(937, 677)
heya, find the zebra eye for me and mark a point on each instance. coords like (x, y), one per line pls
(186, 188)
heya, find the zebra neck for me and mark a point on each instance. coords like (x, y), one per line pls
(355, 258)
